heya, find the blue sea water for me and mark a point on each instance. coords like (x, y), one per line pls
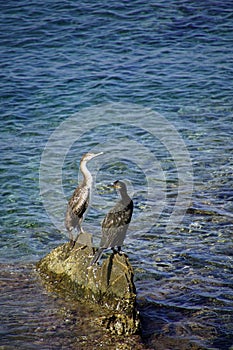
(151, 85)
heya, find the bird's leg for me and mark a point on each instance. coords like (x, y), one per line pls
(72, 241)
(76, 238)
(80, 229)
(80, 225)
(114, 251)
(119, 250)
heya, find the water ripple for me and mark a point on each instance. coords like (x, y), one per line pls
(58, 57)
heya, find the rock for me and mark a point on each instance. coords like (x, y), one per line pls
(85, 238)
(108, 289)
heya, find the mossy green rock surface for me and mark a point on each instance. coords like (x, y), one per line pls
(108, 289)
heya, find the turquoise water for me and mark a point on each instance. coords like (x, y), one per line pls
(151, 85)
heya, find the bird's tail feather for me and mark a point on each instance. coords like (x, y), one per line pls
(97, 256)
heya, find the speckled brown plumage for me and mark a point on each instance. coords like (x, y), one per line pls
(80, 200)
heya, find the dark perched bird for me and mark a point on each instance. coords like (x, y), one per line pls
(79, 202)
(115, 223)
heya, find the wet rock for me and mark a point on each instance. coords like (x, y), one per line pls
(108, 289)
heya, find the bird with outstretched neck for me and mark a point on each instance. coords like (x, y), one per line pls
(80, 200)
(115, 223)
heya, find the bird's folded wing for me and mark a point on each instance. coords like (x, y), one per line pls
(79, 201)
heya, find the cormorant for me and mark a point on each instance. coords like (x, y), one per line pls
(115, 223)
(80, 199)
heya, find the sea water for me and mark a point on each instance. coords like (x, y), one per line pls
(149, 84)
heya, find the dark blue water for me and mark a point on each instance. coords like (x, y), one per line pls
(151, 85)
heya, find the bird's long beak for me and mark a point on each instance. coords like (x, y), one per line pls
(97, 154)
(116, 186)
(113, 185)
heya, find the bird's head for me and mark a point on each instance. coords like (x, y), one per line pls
(119, 185)
(88, 156)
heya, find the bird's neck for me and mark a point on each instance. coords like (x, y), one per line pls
(125, 197)
(87, 178)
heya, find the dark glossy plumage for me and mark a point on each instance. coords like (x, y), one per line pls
(80, 200)
(116, 222)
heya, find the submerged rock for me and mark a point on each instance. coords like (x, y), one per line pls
(108, 289)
